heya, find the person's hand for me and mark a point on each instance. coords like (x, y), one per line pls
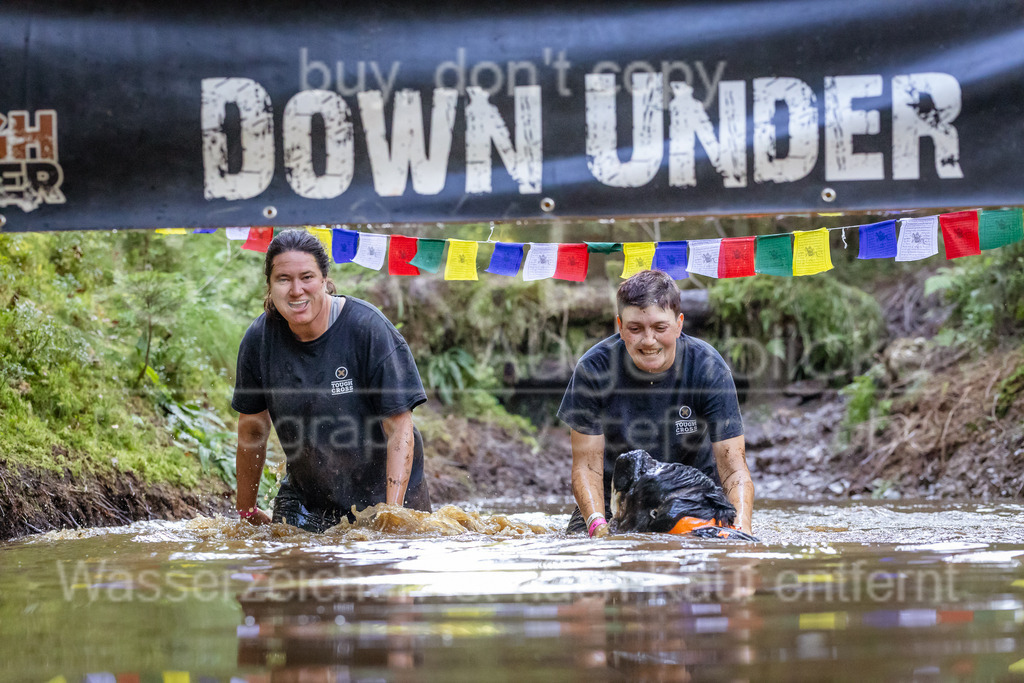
(256, 517)
(601, 531)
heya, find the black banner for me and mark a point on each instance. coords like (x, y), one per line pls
(314, 113)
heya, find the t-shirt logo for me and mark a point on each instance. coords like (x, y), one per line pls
(343, 385)
(686, 425)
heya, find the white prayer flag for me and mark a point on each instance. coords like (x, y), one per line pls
(372, 250)
(703, 258)
(238, 233)
(918, 238)
(541, 261)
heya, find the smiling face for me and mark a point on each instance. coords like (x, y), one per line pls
(650, 336)
(298, 290)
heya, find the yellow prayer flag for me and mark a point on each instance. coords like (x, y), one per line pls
(811, 252)
(461, 263)
(636, 256)
(176, 677)
(324, 235)
(171, 231)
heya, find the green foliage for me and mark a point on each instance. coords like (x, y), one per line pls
(987, 294)
(461, 382)
(864, 403)
(1009, 389)
(818, 326)
(99, 332)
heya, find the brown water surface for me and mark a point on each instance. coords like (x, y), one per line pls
(858, 591)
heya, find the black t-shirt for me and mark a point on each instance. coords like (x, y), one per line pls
(674, 415)
(326, 399)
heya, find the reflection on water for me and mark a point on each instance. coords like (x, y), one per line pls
(838, 592)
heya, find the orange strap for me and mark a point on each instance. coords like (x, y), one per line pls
(687, 524)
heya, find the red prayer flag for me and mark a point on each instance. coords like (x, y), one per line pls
(258, 239)
(960, 233)
(573, 261)
(400, 252)
(736, 256)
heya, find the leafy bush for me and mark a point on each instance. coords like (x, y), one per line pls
(817, 327)
(461, 382)
(864, 403)
(987, 294)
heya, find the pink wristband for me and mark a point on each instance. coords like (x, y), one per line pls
(246, 514)
(596, 523)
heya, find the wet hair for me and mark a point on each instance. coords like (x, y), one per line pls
(295, 240)
(649, 288)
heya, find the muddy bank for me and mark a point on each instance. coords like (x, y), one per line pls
(32, 501)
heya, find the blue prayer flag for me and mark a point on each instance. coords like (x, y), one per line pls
(506, 259)
(344, 244)
(670, 258)
(877, 240)
(203, 230)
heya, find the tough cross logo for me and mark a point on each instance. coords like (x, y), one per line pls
(344, 385)
(685, 425)
(30, 174)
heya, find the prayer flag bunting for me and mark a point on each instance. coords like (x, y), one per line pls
(541, 261)
(400, 251)
(960, 233)
(603, 247)
(918, 238)
(429, 255)
(736, 257)
(324, 235)
(237, 233)
(344, 244)
(506, 259)
(999, 228)
(171, 231)
(461, 264)
(704, 257)
(670, 258)
(877, 240)
(259, 239)
(573, 261)
(811, 252)
(636, 256)
(371, 251)
(774, 255)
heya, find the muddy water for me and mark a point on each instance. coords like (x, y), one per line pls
(901, 592)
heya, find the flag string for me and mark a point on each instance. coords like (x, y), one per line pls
(793, 253)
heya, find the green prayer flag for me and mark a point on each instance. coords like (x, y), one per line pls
(999, 228)
(429, 254)
(603, 247)
(774, 255)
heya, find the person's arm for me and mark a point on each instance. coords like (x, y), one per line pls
(253, 433)
(588, 476)
(731, 460)
(398, 430)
